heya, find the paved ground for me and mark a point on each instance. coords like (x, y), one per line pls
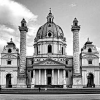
(50, 97)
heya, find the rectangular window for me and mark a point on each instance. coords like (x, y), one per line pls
(66, 74)
(90, 62)
(9, 62)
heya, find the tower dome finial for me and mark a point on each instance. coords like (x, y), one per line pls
(49, 10)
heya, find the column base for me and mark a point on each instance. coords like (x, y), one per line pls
(64, 86)
(32, 85)
(21, 81)
(77, 82)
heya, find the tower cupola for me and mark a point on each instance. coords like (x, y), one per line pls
(23, 26)
(75, 22)
(75, 25)
(23, 22)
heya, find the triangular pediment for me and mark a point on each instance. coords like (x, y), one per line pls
(49, 62)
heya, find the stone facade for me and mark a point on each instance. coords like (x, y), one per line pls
(9, 65)
(90, 64)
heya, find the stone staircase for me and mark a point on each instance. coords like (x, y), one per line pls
(50, 91)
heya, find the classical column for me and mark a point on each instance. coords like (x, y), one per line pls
(52, 76)
(39, 76)
(34, 76)
(58, 76)
(45, 76)
(77, 79)
(64, 78)
(22, 66)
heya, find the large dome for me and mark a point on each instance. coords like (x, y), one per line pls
(50, 30)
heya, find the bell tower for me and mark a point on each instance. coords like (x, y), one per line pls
(76, 59)
(22, 66)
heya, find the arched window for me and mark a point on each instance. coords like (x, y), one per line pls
(66, 74)
(75, 24)
(50, 20)
(62, 50)
(9, 50)
(49, 49)
(37, 50)
(49, 34)
(89, 50)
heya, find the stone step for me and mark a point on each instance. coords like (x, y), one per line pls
(50, 91)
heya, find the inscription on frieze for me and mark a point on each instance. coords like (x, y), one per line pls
(49, 63)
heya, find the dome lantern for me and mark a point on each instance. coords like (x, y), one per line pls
(50, 17)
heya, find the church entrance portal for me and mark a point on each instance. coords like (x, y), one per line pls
(49, 75)
(49, 80)
(90, 79)
(8, 81)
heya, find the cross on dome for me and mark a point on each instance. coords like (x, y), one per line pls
(11, 39)
(88, 40)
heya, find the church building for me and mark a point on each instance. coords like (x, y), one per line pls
(50, 66)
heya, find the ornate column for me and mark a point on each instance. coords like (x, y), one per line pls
(22, 66)
(39, 76)
(77, 79)
(45, 77)
(58, 76)
(64, 78)
(52, 76)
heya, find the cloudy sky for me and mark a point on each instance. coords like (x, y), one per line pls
(35, 13)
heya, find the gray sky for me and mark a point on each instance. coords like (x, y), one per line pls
(35, 12)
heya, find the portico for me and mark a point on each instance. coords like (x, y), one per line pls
(48, 77)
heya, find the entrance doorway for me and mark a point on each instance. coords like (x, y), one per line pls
(49, 80)
(8, 81)
(49, 76)
(90, 79)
